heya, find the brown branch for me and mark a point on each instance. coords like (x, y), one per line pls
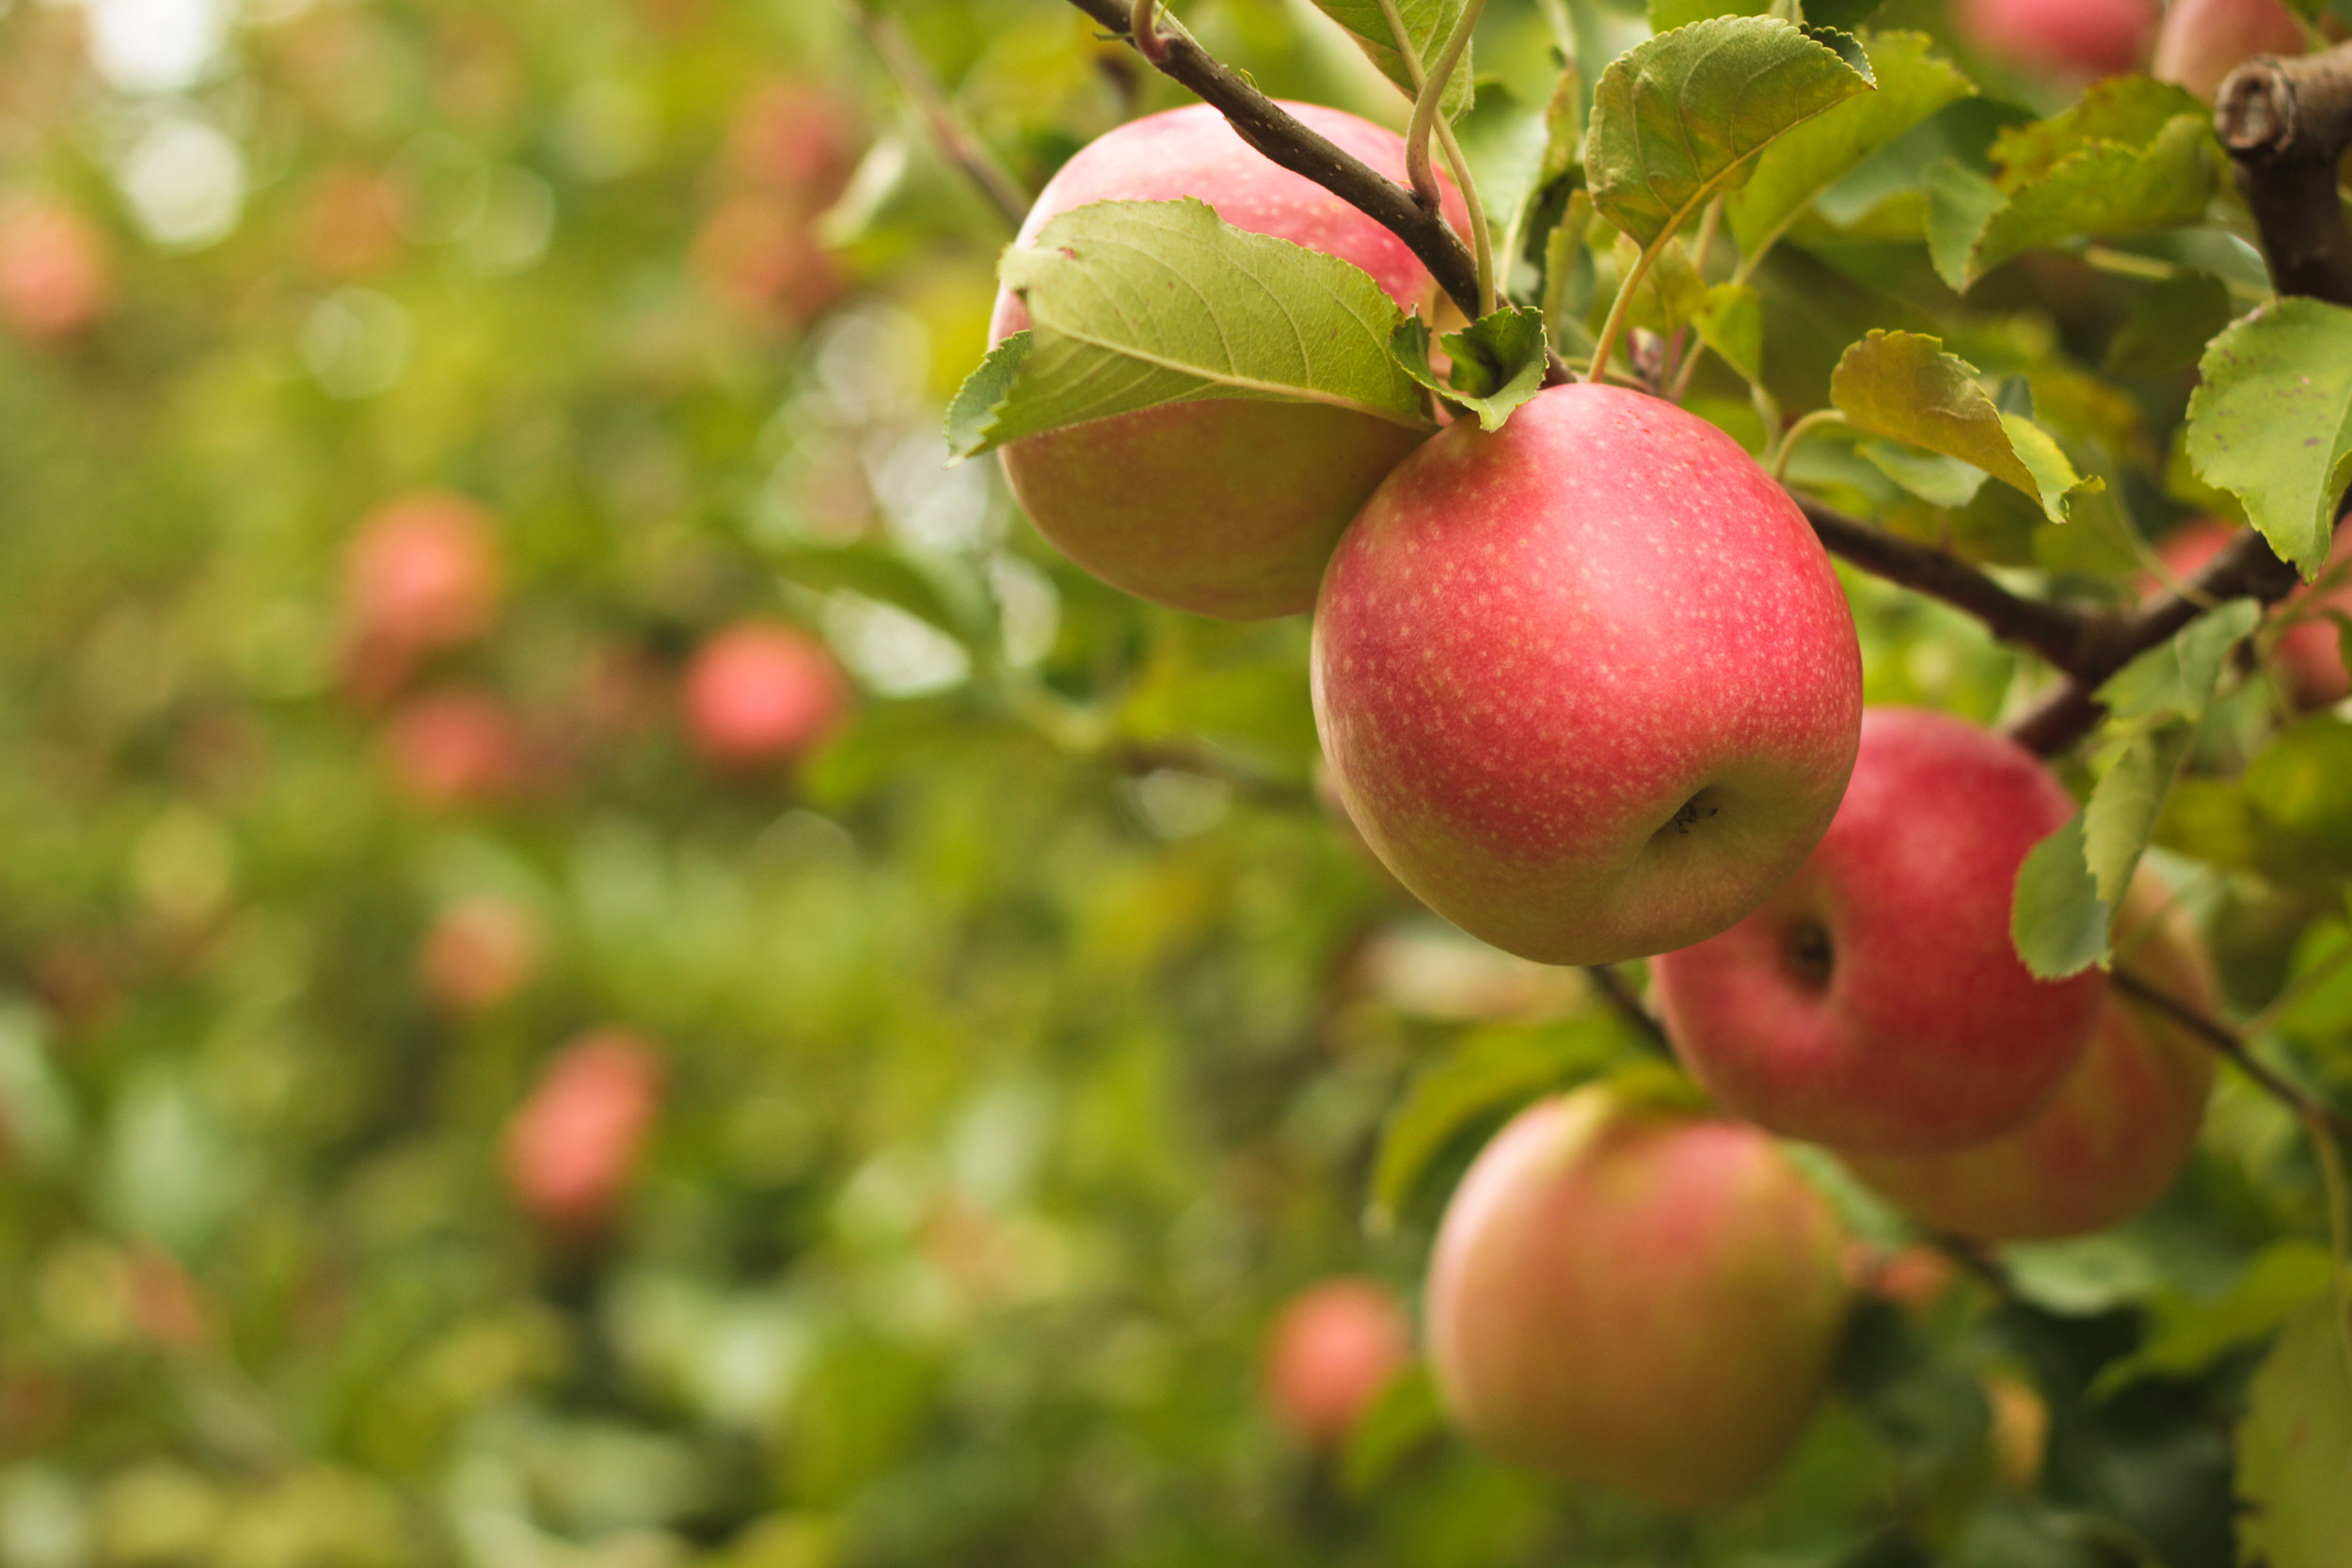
(2229, 1043)
(2287, 124)
(1623, 1001)
(1261, 123)
(957, 144)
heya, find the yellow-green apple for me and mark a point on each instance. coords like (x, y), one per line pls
(762, 692)
(1224, 508)
(2204, 40)
(1587, 684)
(2308, 659)
(1875, 1002)
(2119, 1130)
(1637, 1298)
(2066, 38)
(1331, 1352)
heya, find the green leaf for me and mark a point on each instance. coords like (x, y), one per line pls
(1403, 1419)
(1427, 25)
(2058, 925)
(1912, 84)
(2170, 324)
(2271, 423)
(1938, 480)
(1498, 362)
(2296, 786)
(2105, 190)
(1845, 15)
(2187, 1336)
(2125, 804)
(1137, 304)
(1903, 384)
(1961, 203)
(1682, 115)
(2123, 111)
(2083, 1277)
(2294, 1448)
(2178, 678)
(1731, 322)
(1666, 15)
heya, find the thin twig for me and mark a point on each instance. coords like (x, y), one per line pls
(956, 143)
(1621, 999)
(2229, 1043)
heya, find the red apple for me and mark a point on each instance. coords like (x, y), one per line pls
(2308, 657)
(2119, 1130)
(422, 574)
(2204, 40)
(2066, 38)
(1875, 1002)
(1635, 1298)
(797, 140)
(458, 748)
(1587, 685)
(1224, 508)
(572, 1147)
(761, 258)
(762, 692)
(478, 953)
(56, 270)
(1331, 1352)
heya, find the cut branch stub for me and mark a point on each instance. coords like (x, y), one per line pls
(2286, 123)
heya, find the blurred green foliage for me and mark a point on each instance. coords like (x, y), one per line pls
(1027, 1047)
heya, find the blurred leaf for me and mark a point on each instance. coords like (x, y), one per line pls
(2187, 1336)
(1427, 25)
(1137, 304)
(1939, 481)
(2125, 803)
(2170, 324)
(2295, 1447)
(1681, 118)
(1403, 1418)
(2059, 925)
(2083, 1278)
(1731, 322)
(2271, 423)
(2177, 679)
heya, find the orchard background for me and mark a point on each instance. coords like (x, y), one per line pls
(977, 1086)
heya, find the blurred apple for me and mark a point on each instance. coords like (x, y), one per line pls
(1912, 1277)
(452, 749)
(349, 226)
(797, 140)
(762, 692)
(759, 256)
(1876, 1003)
(572, 1147)
(1637, 1298)
(2308, 657)
(2120, 1128)
(56, 270)
(422, 574)
(478, 952)
(2063, 39)
(1330, 1353)
(2204, 40)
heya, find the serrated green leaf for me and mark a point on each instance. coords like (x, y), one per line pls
(1912, 84)
(2177, 679)
(1938, 480)
(1403, 1417)
(1961, 203)
(1497, 362)
(1137, 304)
(1427, 25)
(1730, 321)
(2106, 189)
(2294, 1448)
(1903, 384)
(2271, 423)
(1681, 116)
(2125, 111)
(2125, 803)
(2187, 1336)
(2059, 924)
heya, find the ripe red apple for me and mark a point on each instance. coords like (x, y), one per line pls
(575, 1143)
(2119, 1130)
(422, 574)
(1637, 1298)
(1875, 1002)
(455, 748)
(478, 952)
(2068, 38)
(1330, 1353)
(1223, 508)
(56, 270)
(762, 692)
(797, 140)
(2204, 40)
(1587, 685)
(2308, 657)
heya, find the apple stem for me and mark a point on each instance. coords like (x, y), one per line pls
(1820, 418)
(954, 139)
(1146, 32)
(1481, 242)
(1621, 312)
(1428, 104)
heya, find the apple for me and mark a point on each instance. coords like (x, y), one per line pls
(1634, 1297)
(1330, 1353)
(2117, 1132)
(797, 140)
(762, 692)
(1875, 1002)
(2308, 657)
(759, 256)
(422, 574)
(1223, 508)
(478, 952)
(574, 1144)
(455, 748)
(2066, 39)
(56, 270)
(1587, 685)
(2204, 40)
